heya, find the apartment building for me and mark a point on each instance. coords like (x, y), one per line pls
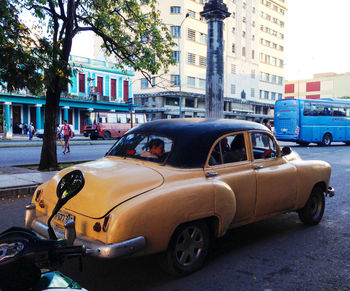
(253, 61)
(323, 85)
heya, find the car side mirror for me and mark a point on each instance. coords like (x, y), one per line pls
(286, 151)
(69, 186)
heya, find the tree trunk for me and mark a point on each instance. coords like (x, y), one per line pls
(48, 160)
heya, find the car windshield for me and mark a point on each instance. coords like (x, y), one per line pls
(143, 146)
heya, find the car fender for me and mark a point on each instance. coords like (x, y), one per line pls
(157, 214)
(310, 173)
(225, 206)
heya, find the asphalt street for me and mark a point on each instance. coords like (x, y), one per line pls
(276, 254)
(31, 155)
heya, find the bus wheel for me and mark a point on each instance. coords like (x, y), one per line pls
(106, 135)
(327, 139)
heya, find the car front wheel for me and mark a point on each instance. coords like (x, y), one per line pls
(312, 212)
(188, 249)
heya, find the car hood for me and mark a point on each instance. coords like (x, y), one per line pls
(109, 182)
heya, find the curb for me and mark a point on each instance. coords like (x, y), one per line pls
(11, 192)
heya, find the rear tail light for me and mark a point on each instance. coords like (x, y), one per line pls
(297, 130)
(37, 196)
(105, 223)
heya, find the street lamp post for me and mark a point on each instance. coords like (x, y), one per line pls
(180, 58)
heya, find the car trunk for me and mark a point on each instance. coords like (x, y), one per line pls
(110, 182)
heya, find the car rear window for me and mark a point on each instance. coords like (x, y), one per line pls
(149, 147)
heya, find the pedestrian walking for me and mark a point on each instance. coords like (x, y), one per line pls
(31, 130)
(67, 135)
(59, 135)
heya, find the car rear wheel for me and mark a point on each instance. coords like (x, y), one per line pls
(327, 139)
(312, 212)
(187, 250)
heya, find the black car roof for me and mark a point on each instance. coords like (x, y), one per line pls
(193, 137)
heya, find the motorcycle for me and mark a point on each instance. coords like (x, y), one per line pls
(28, 262)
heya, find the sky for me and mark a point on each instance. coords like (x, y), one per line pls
(317, 38)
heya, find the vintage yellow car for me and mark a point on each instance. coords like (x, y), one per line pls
(169, 186)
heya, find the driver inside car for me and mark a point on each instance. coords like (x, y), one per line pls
(156, 149)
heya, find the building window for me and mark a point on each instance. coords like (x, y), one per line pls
(153, 81)
(175, 9)
(252, 92)
(100, 85)
(253, 54)
(191, 58)
(280, 80)
(191, 13)
(176, 56)
(172, 101)
(233, 89)
(244, 5)
(144, 100)
(81, 83)
(244, 20)
(202, 83)
(175, 80)
(233, 48)
(144, 83)
(191, 82)
(273, 96)
(233, 69)
(279, 96)
(189, 102)
(113, 88)
(191, 34)
(243, 51)
(273, 79)
(175, 31)
(243, 33)
(266, 94)
(233, 14)
(202, 61)
(203, 38)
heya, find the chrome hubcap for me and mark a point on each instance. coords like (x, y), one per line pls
(189, 246)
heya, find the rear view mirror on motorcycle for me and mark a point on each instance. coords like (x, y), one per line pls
(69, 186)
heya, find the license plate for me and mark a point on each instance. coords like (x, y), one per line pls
(63, 217)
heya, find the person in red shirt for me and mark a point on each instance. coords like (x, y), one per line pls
(67, 135)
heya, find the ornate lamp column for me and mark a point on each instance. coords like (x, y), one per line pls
(215, 11)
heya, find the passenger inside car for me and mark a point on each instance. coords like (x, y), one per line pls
(237, 150)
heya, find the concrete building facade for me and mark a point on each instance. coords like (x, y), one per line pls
(253, 61)
(324, 85)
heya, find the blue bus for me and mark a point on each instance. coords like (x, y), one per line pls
(305, 121)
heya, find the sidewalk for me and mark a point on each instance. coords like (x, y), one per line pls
(17, 181)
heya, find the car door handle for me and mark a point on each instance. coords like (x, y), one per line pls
(211, 174)
(257, 167)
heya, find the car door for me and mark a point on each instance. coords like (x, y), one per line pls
(276, 179)
(229, 162)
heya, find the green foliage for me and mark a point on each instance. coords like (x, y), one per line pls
(19, 67)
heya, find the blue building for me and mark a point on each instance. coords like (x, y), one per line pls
(97, 86)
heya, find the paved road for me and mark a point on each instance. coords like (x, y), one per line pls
(31, 155)
(276, 254)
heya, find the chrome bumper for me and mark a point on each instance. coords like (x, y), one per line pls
(330, 192)
(125, 248)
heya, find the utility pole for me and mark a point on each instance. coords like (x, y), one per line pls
(215, 11)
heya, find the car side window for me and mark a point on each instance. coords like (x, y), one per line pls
(263, 146)
(229, 149)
